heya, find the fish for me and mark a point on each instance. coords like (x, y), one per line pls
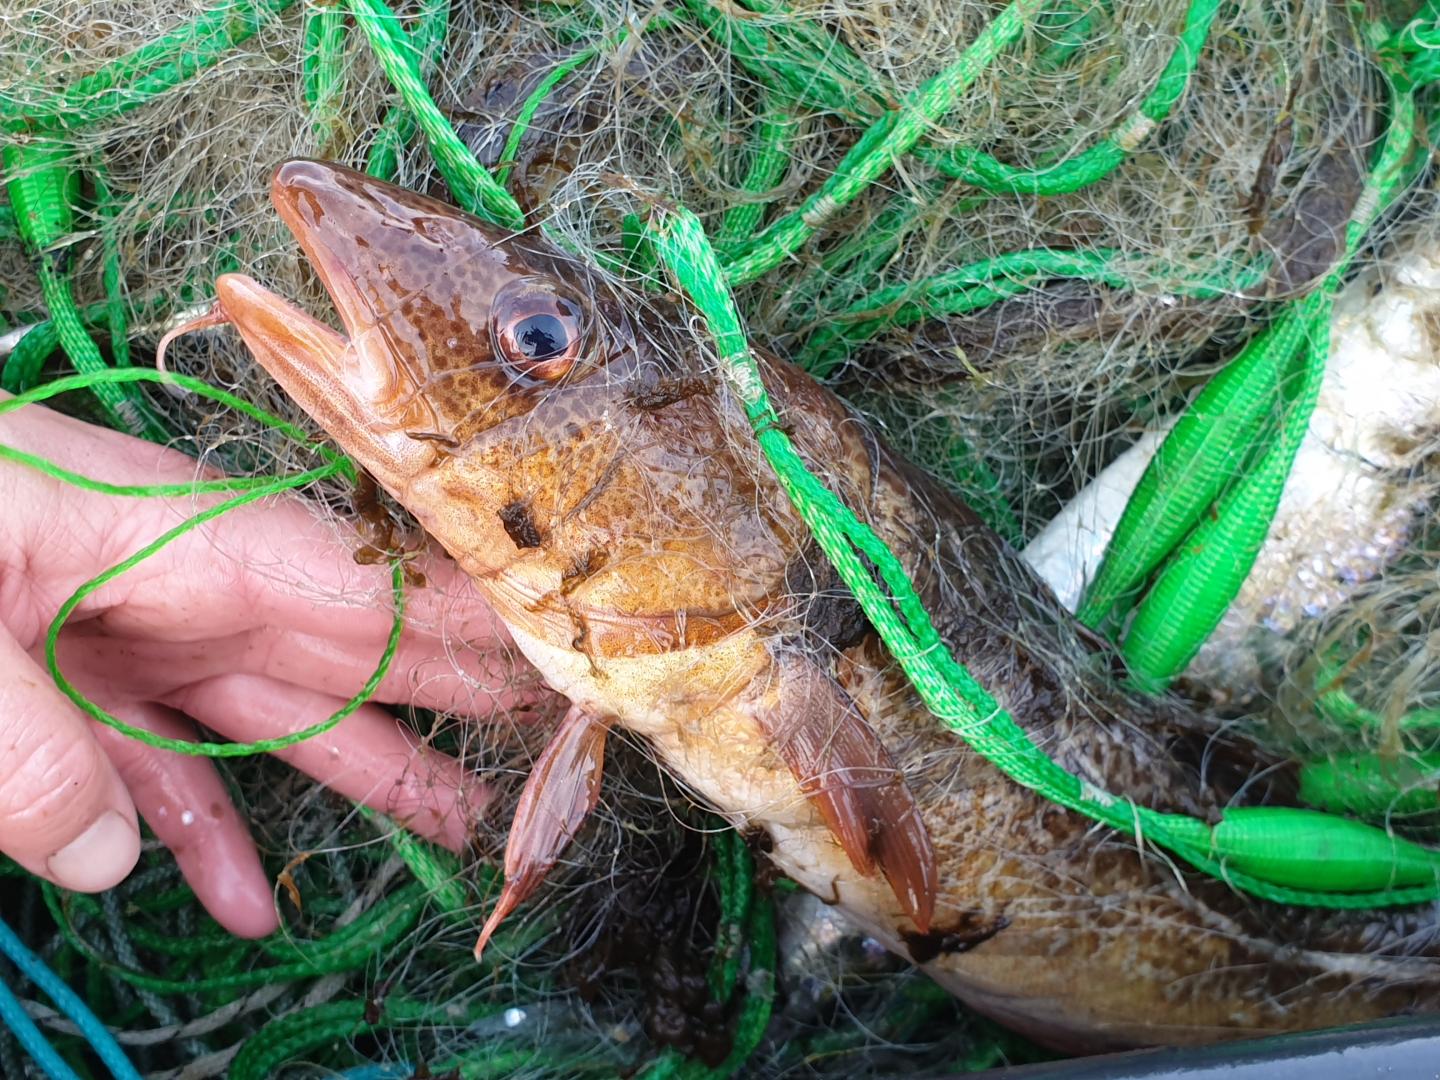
(572, 444)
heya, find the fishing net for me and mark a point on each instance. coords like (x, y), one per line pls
(1095, 218)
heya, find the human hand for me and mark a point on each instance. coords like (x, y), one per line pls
(257, 624)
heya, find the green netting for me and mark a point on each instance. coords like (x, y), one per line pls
(843, 181)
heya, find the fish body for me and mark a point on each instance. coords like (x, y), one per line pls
(572, 448)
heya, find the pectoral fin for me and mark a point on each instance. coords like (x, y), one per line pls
(851, 779)
(560, 792)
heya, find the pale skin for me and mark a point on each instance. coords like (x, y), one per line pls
(256, 625)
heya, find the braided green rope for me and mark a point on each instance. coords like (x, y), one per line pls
(25, 362)
(377, 927)
(209, 749)
(821, 72)
(1339, 708)
(532, 104)
(322, 72)
(399, 126)
(747, 920)
(888, 138)
(434, 867)
(155, 68)
(970, 288)
(473, 187)
(775, 130)
(795, 58)
(1188, 599)
(736, 894)
(1207, 446)
(43, 188)
(1098, 161)
(1373, 785)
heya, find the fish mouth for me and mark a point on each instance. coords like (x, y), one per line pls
(329, 211)
(321, 370)
(349, 382)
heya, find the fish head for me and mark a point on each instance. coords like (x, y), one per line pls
(556, 434)
(450, 325)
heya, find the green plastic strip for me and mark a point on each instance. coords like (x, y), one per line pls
(1214, 551)
(1373, 785)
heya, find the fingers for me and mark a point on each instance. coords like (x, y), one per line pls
(424, 671)
(278, 564)
(370, 757)
(185, 804)
(64, 810)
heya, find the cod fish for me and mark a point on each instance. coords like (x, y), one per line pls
(574, 448)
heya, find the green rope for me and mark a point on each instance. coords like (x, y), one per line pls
(770, 151)
(532, 104)
(322, 71)
(802, 70)
(434, 867)
(735, 872)
(1373, 785)
(1098, 161)
(977, 286)
(822, 73)
(1342, 710)
(399, 126)
(473, 187)
(747, 924)
(43, 188)
(891, 136)
(380, 925)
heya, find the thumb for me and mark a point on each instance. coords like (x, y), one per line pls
(64, 812)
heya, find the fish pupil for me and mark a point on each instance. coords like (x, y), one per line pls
(542, 337)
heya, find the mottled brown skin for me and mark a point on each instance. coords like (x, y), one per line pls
(623, 524)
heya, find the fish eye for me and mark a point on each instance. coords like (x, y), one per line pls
(536, 330)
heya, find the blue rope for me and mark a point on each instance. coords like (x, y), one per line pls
(68, 1002)
(32, 1041)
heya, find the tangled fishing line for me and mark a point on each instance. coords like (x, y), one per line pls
(1084, 226)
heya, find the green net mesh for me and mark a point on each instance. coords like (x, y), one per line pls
(1017, 236)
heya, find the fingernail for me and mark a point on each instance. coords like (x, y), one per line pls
(98, 858)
